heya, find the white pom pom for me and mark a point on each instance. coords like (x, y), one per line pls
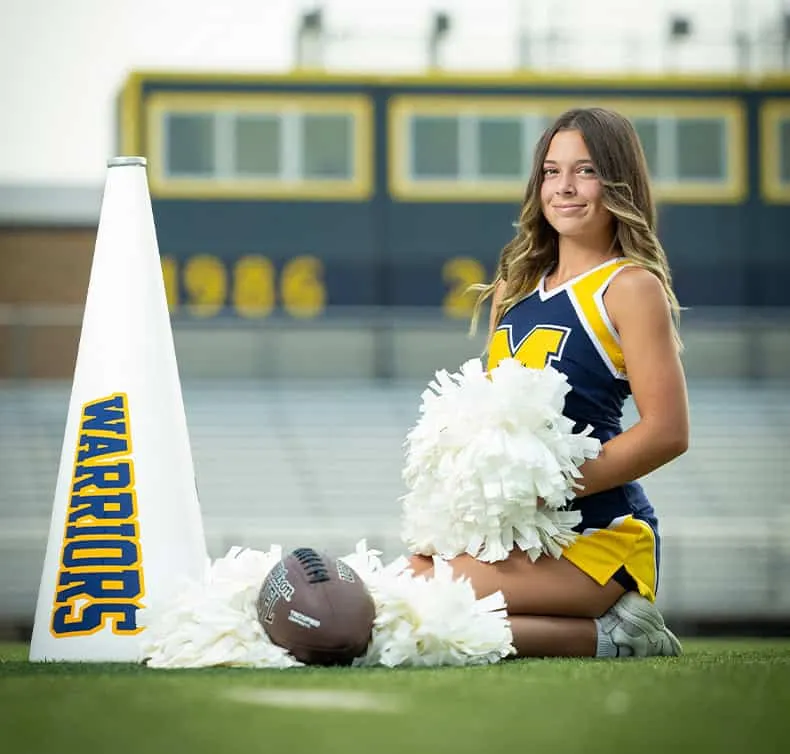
(418, 621)
(215, 622)
(486, 448)
(436, 621)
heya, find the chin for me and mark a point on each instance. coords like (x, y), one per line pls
(571, 229)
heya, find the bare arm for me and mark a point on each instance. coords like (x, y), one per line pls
(638, 308)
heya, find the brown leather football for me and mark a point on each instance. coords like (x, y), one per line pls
(317, 608)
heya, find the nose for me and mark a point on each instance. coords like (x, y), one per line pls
(566, 185)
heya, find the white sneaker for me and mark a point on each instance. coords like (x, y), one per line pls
(637, 629)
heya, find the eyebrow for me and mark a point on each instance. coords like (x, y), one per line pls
(577, 162)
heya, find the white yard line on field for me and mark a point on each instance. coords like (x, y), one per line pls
(327, 699)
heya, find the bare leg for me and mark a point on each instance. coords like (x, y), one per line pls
(547, 587)
(420, 564)
(551, 604)
(539, 636)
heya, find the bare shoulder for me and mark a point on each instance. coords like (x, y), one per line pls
(634, 291)
(636, 281)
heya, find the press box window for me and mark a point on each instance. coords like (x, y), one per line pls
(305, 146)
(434, 147)
(258, 144)
(190, 145)
(701, 149)
(500, 148)
(473, 147)
(684, 150)
(327, 146)
(647, 130)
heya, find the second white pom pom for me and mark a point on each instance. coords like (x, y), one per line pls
(492, 463)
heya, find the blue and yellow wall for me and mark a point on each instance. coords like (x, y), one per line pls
(378, 233)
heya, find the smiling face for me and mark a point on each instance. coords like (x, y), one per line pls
(571, 193)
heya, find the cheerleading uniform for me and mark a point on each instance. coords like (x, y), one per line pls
(568, 328)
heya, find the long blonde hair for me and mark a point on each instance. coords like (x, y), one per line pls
(620, 162)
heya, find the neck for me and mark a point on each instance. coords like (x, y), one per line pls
(576, 256)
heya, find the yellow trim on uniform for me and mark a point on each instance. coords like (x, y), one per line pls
(359, 187)
(499, 348)
(583, 293)
(773, 113)
(628, 542)
(402, 108)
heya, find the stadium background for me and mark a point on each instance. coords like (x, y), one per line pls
(318, 228)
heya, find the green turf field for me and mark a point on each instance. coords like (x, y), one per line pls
(722, 696)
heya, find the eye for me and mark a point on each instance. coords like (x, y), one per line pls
(587, 170)
(547, 171)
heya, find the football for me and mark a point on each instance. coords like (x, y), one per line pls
(317, 608)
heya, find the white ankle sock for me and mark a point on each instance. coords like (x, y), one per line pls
(604, 646)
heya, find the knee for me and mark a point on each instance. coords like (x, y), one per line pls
(420, 564)
(608, 598)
